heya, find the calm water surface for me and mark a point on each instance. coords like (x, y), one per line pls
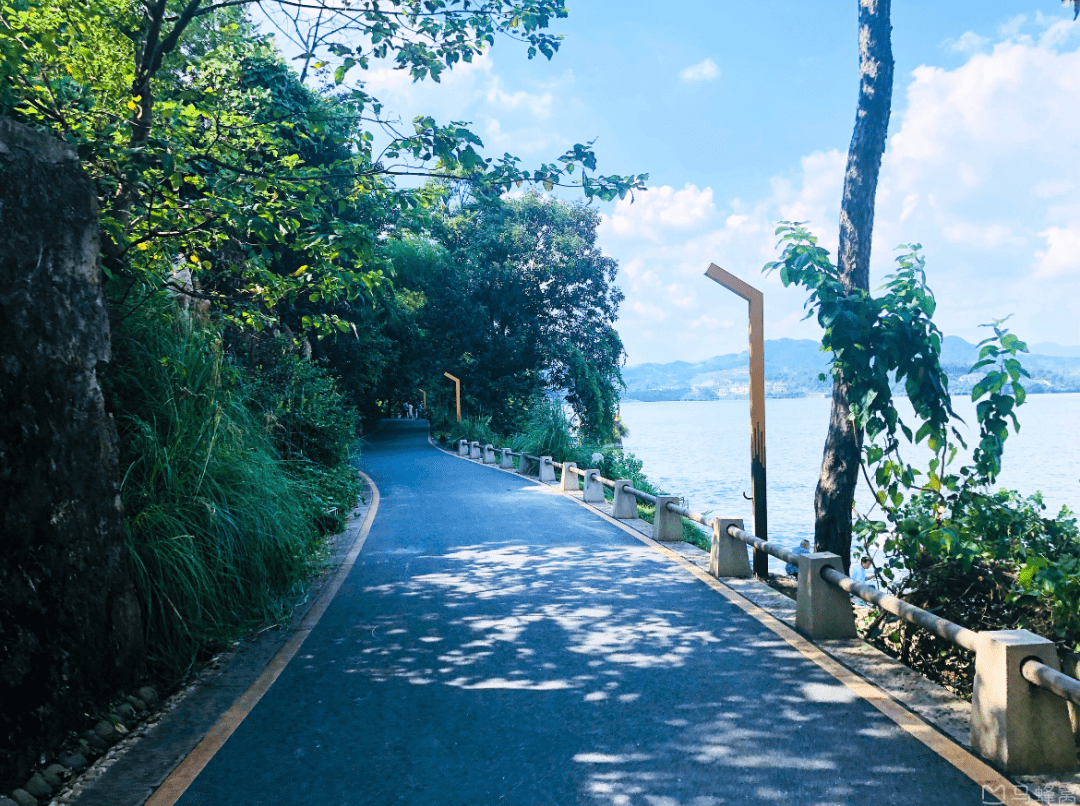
(701, 450)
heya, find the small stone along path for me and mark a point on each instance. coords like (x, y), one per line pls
(497, 641)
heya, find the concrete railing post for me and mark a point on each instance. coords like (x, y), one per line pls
(728, 557)
(506, 459)
(594, 490)
(474, 450)
(822, 611)
(489, 454)
(624, 507)
(1018, 726)
(667, 525)
(569, 478)
(463, 447)
(547, 470)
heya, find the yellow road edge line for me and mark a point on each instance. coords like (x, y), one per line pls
(178, 781)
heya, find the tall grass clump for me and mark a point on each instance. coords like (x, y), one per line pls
(475, 428)
(547, 432)
(446, 428)
(217, 527)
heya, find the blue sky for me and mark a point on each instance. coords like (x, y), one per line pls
(742, 114)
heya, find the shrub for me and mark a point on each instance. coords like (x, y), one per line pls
(308, 416)
(216, 525)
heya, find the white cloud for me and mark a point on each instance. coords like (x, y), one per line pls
(508, 118)
(1052, 187)
(660, 209)
(991, 236)
(649, 311)
(706, 322)
(1062, 253)
(968, 42)
(1011, 27)
(705, 70)
(981, 169)
(538, 105)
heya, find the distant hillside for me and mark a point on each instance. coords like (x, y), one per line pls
(792, 367)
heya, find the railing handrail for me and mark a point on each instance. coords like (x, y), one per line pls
(639, 494)
(1038, 673)
(763, 545)
(689, 514)
(941, 627)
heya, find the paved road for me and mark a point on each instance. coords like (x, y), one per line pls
(496, 643)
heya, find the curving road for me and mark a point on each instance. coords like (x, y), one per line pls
(498, 643)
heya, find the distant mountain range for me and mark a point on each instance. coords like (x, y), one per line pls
(792, 367)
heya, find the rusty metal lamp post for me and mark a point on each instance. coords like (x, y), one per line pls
(457, 393)
(757, 405)
(421, 391)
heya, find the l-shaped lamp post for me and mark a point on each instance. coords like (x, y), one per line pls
(757, 405)
(457, 393)
(421, 391)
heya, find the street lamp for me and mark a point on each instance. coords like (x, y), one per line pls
(457, 393)
(757, 405)
(421, 391)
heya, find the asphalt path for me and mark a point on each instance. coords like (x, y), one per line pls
(498, 643)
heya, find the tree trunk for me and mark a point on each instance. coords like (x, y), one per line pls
(843, 446)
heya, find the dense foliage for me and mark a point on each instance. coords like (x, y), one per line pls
(268, 281)
(945, 538)
(222, 523)
(270, 286)
(210, 153)
(518, 300)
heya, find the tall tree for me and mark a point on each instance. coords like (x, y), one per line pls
(843, 446)
(519, 301)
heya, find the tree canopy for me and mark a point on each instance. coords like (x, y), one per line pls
(212, 155)
(518, 301)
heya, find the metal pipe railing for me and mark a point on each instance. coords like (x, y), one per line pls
(1037, 672)
(641, 495)
(696, 517)
(943, 628)
(763, 545)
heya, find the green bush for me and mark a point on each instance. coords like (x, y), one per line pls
(219, 531)
(307, 414)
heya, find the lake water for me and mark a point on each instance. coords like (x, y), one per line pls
(701, 450)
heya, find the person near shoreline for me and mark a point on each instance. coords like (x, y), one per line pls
(802, 548)
(859, 572)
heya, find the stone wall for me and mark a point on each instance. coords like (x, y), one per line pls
(70, 626)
